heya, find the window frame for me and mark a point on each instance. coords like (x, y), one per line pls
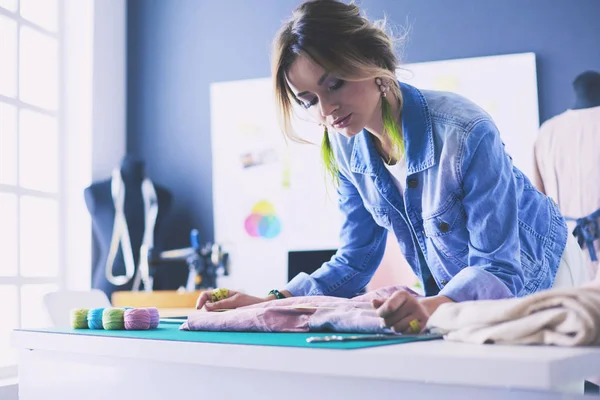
(18, 280)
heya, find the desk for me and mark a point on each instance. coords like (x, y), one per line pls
(175, 312)
(170, 303)
(74, 366)
(156, 298)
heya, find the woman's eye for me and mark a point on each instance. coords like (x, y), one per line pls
(337, 84)
(309, 104)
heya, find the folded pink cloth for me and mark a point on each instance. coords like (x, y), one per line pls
(299, 314)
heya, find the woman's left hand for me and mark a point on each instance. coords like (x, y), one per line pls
(402, 312)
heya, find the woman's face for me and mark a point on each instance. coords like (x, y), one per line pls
(345, 106)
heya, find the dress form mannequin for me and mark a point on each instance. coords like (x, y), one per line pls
(567, 165)
(587, 90)
(99, 201)
(587, 95)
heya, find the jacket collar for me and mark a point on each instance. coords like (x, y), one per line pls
(417, 135)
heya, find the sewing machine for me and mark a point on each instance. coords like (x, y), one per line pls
(205, 262)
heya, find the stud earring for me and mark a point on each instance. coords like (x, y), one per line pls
(383, 88)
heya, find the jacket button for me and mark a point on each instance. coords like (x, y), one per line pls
(444, 283)
(413, 183)
(444, 227)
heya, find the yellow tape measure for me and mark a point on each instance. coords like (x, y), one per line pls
(219, 294)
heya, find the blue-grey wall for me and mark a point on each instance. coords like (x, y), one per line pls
(176, 48)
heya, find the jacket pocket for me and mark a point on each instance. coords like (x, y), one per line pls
(532, 272)
(381, 216)
(447, 228)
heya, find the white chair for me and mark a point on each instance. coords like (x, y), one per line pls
(59, 304)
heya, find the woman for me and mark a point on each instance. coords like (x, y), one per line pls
(429, 166)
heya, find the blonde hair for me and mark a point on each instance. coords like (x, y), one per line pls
(342, 41)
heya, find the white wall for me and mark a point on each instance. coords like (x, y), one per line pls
(77, 127)
(110, 69)
(94, 117)
(9, 390)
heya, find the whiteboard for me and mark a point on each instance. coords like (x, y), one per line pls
(271, 196)
(504, 86)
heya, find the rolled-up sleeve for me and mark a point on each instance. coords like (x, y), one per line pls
(362, 244)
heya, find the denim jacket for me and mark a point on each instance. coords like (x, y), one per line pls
(468, 220)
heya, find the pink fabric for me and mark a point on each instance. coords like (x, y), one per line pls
(299, 314)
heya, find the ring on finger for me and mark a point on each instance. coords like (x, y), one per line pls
(415, 325)
(218, 294)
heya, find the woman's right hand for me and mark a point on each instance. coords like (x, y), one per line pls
(233, 300)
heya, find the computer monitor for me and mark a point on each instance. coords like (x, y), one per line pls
(307, 261)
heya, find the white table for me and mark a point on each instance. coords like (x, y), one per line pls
(62, 366)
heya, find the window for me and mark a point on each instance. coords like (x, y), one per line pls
(31, 188)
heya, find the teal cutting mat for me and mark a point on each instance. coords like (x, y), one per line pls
(170, 331)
